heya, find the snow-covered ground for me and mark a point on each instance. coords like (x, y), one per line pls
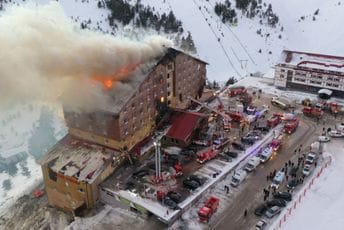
(240, 43)
(19, 128)
(322, 207)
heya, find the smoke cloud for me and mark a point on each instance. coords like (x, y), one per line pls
(44, 55)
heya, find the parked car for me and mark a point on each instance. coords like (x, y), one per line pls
(232, 154)
(190, 184)
(238, 146)
(224, 157)
(262, 128)
(273, 211)
(141, 173)
(293, 170)
(276, 202)
(292, 184)
(278, 179)
(311, 158)
(200, 180)
(261, 224)
(131, 186)
(260, 210)
(323, 139)
(283, 195)
(175, 196)
(250, 140)
(336, 133)
(307, 169)
(170, 203)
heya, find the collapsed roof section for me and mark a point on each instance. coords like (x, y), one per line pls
(78, 159)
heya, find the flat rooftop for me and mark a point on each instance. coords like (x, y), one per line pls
(78, 159)
(313, 60)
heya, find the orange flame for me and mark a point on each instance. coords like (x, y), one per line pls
(108, 81)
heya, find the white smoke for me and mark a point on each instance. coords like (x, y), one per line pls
(43, 54)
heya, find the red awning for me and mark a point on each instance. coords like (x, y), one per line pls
(183, 124)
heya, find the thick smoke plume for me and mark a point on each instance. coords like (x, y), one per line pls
(44, 55)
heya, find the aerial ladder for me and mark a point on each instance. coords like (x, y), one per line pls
(226, 118)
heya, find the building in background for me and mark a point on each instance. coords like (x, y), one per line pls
(310, 72)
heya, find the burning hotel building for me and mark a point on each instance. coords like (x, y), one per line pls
(92, 149)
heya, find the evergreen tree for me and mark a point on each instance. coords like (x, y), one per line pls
(231, 81)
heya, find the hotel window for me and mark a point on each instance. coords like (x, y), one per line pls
(328, 84)
(330, 78)
(315, 82)
(282, 70)
(281, 76)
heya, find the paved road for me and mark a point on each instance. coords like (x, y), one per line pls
(252, 195)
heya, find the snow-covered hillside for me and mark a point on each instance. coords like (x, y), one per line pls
(233, 50)
(242, 42)
(229, 50)
(26, 133)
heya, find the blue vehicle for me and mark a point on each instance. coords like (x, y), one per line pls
(278, 179)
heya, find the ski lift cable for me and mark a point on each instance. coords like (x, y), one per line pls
(218, 39)
(237, 38)
(233, 51)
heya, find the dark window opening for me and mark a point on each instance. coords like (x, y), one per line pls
(52, 175)
(180, 97)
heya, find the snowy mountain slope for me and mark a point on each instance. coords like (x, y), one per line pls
(233, 50)
(306, 35)
(18, 126)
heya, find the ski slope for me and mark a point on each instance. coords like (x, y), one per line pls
(236, 54)
(233, 50)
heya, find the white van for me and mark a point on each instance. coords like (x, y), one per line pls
(252, 164)
(265, 154)
(238, 177)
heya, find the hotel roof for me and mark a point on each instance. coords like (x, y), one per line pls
(313, 60)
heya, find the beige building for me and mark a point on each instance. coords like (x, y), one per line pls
(72, 171)
(310, 72)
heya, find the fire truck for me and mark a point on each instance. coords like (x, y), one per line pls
(209, 208)
(313, 112)
(236, 116)
(291, 126)
(234, 91)
(273, 121)
(207, 155)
